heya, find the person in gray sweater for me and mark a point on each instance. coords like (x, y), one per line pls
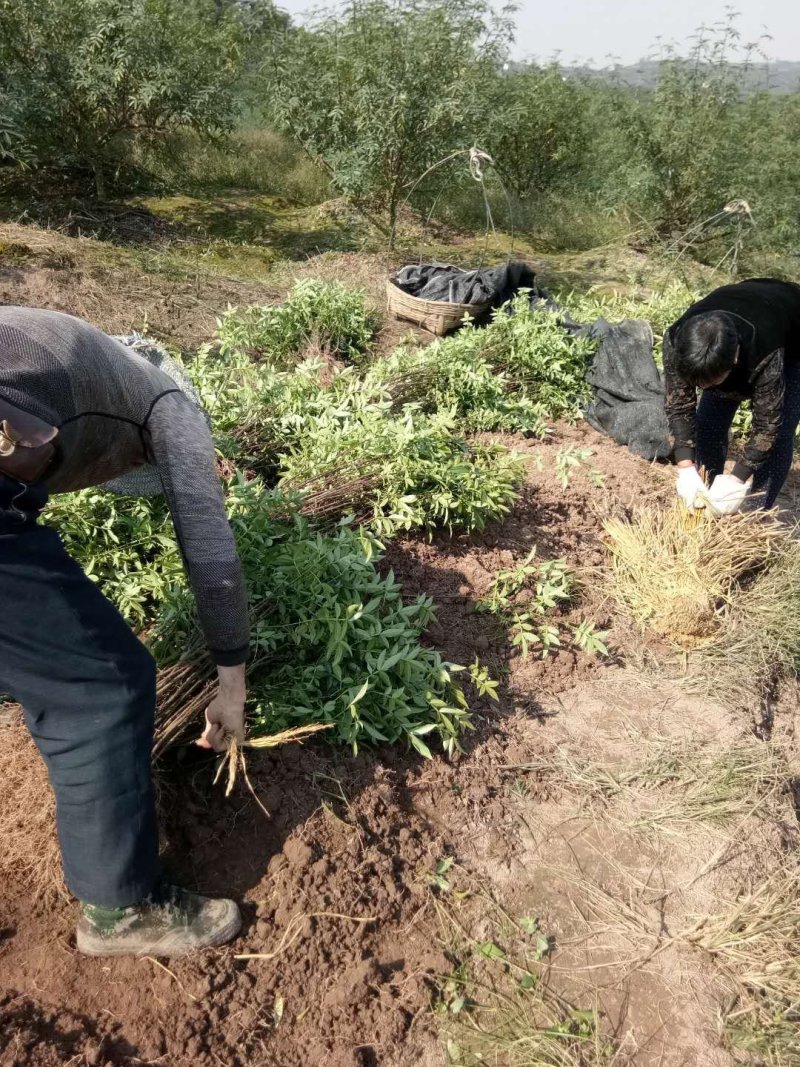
(78, 409)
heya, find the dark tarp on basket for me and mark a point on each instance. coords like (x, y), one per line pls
(440, 281)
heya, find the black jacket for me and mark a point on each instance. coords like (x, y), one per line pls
(767, 315)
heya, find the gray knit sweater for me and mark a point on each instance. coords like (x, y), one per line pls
(115, 411)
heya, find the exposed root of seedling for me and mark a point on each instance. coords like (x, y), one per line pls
(234, 762)
(295, 928)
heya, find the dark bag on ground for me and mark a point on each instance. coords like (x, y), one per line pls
(451, 285)
(628, 404)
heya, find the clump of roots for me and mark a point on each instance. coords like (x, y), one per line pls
(233, 761)
(678, 572)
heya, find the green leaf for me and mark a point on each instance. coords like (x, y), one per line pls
(457, 1005)
(542, 947)
(490, 950)
(420, 746)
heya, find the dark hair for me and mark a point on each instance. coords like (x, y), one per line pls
(705, 348)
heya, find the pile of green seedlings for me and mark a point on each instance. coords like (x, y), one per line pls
(327, 453)
(525, 597)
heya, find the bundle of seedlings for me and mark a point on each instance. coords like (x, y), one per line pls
(183, 692)
(338, 490)
(514, 374)
(681, 573)
(333, 641)
(330, 315)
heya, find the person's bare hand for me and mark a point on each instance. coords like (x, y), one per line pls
(225, 713)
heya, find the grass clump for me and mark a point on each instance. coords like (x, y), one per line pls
(723, 592)
(678, 571)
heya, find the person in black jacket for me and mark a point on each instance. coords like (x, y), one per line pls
(740, 342)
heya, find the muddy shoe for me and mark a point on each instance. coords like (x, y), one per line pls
(172, 922)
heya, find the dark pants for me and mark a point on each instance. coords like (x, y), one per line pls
(715, 414)
(87, 687)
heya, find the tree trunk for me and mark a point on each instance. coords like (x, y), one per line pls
(392, 221)
(99, 180)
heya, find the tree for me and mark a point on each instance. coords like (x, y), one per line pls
(12, 145)
(690, 129)
(87, 79)
(380, 93)
(538, 132)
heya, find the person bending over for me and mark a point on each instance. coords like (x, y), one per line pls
(740, 342)
(78, 409)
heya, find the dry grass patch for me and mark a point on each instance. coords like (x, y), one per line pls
(761, 636)
(755, 941)
(497, 1005)
(29, 851)
(677, 571)
(674, 785)
(724, 593)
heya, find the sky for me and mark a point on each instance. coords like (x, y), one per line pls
(591, 31)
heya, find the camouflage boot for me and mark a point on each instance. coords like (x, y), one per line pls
(170, 922)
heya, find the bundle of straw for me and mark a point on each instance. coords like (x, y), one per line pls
(678, 571)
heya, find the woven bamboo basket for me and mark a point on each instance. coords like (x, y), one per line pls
(435, 316)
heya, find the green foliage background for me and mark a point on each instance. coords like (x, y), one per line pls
(385, 99)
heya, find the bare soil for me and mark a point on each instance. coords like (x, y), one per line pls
(342, 958)
(45, 269)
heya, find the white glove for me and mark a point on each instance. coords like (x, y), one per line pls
(726, 494)
(688, 485)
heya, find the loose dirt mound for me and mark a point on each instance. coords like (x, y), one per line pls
(43, 269)
(337, 889)
(31, 1033)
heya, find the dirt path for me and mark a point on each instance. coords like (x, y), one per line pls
(553, 881)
